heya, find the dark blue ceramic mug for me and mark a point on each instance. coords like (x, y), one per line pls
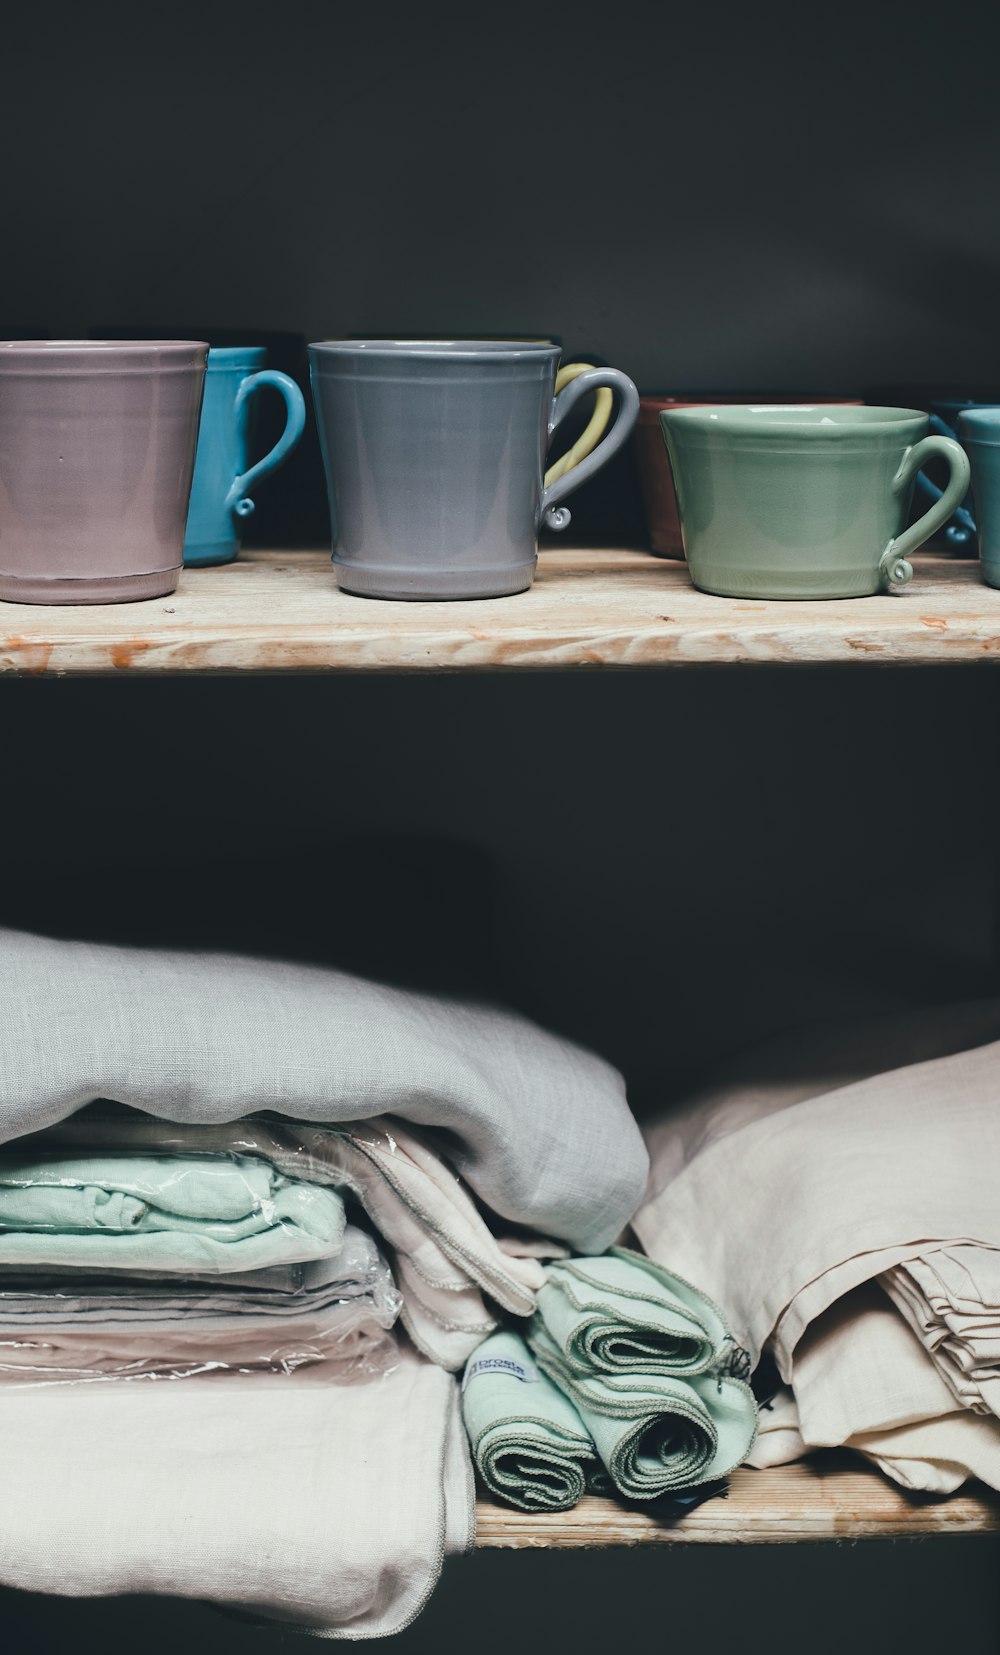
(222, 473)
(945, 420)
(979, 430)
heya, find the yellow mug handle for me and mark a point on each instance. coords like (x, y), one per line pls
(597, 425)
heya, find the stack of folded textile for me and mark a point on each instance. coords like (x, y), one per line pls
(840, 1191)
(186, 1136)
(633, 1387)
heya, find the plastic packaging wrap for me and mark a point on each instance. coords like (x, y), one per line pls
(124, 1264)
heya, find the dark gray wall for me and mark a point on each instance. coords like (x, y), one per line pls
(781, 196)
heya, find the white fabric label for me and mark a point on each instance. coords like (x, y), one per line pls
(500, 1364)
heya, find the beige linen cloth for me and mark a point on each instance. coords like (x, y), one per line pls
(820, 1165)
(444, 1254)
(289, 1498)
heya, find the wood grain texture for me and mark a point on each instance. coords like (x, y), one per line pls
(282, 612)
(809, 1501)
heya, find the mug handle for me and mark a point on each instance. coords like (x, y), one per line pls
(553, 514)
(962, 528)
(895, 569)
(295, 424)
(596, 426)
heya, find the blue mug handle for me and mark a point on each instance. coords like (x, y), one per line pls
(962, 527)
(295, 423)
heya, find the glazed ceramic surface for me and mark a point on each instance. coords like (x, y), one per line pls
(945, 419)
(97, 445)
(435, 457)
(658, 498)
(980, 432)
(787, 501)
(222, 475)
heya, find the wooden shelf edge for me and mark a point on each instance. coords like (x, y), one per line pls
(281, 612)
(794, 1503)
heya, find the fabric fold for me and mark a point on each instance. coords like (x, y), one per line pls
(291, 1499)
(528, 1442)
(201, 1038)
(624, 1313)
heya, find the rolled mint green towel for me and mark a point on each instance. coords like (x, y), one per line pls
(623, 1313)
(528, 1441)
(655, 1433)
(162, 1212)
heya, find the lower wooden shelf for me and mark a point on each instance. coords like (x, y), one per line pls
(814, 1500)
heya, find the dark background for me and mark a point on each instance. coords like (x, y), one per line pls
(772, 197)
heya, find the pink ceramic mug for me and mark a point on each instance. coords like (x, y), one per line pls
(97, 444)
(657, 484)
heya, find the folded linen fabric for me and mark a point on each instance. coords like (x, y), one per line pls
(63, 1329)
(528, 1442)
(865, 1178)
(291, 1499)
(168, 1212)
(445, 1255)
(950, 1296)
(655, 1433)
(538, 1127)
(623, 1313)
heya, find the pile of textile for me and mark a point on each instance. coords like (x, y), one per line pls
(208, 1164)
(633, 1389)
(840, 1192)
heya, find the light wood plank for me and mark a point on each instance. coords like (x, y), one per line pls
(809, 1501)
(282, 612)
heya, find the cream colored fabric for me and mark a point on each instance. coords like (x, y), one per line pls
(446, 1257)
(951, 1298)
(291, 1499)
(863, 1177)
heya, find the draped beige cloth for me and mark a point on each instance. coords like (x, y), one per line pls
(818, 1178)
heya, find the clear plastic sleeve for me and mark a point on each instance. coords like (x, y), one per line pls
(153, 1254)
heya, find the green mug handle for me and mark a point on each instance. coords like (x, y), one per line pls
(895, 569)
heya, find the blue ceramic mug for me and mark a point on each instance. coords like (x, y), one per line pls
(979, 429)
(946, 420)
(222, 478)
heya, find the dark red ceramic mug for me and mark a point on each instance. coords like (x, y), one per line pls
(655, 480)
(97, 445)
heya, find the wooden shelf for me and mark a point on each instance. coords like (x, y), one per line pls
(282, 612)
(814, 1500)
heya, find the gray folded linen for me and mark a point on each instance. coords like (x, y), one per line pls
(537, 1126)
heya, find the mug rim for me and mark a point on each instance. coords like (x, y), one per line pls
(729, 418)
(440, 350)
(973, 423)
(235, 356)
(94, 347)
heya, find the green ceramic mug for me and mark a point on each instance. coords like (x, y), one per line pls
(796, 501)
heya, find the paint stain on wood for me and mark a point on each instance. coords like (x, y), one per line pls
(30, 658)
(123, 654)
(937, 621)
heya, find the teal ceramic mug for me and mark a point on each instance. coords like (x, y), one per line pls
(222, 473)
(798, 501)
(980, 429)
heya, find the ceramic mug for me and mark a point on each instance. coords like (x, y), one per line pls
(795, 501)
(980, 431)
(945, 417)
(435, 460)
(655, 482)
(97, 445)
(222, 477)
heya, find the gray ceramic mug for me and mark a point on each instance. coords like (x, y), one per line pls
(97, 445)
(435, 459)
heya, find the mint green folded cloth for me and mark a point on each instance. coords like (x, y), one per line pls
(655, 1433)
(622, 1313)
(530, 1446)
(162, 1212)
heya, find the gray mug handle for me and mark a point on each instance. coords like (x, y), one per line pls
(552, 513)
